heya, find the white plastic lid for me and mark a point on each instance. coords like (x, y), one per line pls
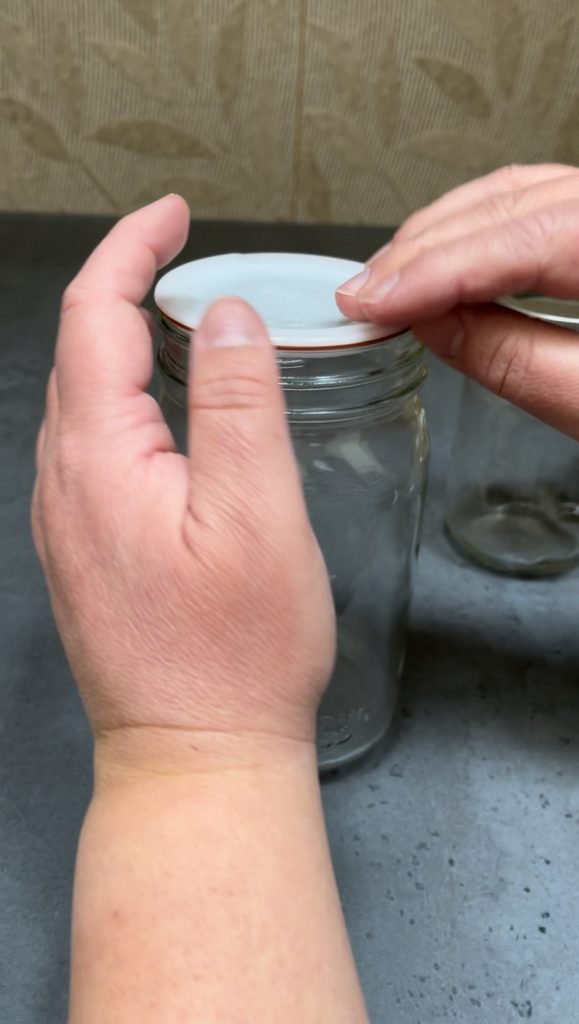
(293, 293)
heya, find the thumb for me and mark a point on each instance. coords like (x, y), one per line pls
(531, 363)
(241, 457)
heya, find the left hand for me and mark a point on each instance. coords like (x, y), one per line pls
(190, 592)
(515, 230)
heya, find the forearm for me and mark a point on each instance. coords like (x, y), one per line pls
(210, 897)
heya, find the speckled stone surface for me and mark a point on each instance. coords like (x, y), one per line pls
(456, 848)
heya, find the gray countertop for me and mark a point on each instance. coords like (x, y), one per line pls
(456, 849)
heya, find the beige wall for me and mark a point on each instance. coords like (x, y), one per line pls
(330, 110)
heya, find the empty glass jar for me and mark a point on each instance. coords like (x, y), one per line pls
(513, 495)
(361, 442)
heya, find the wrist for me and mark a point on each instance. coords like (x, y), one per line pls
(139, 754)
(201, 877)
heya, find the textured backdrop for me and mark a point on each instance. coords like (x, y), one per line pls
(326, 110)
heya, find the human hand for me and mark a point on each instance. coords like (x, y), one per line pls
(190, 593)
(513, 231)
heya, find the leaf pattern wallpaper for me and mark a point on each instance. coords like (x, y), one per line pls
(307, 110)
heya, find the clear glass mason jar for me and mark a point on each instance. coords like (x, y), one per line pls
(360, 438)
(513, 495)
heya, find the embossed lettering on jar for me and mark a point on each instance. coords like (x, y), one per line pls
(360, 438)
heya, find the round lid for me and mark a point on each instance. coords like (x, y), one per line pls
(293, 293)
(556, 311)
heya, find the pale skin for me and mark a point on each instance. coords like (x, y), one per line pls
(195, 609)
(515, 230)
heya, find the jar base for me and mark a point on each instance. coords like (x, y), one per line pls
(515, 538)
(350, 753)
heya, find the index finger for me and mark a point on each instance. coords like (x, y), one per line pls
(461, 199)
(537, 253)
(103, 350)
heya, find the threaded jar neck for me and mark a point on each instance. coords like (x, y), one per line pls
(325, 384)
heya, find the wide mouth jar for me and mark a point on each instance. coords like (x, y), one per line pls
(361, 445)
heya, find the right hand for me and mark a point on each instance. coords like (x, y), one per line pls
(515, 230)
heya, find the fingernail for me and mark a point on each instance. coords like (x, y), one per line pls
(225, 325)
(353, 286)
(373, 295)
(445, 336)
(377, 255)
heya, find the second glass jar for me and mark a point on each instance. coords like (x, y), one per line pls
(513, 494)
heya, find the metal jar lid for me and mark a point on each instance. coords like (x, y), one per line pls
(564, 312)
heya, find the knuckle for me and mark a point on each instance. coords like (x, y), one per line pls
(230, 394)
(516, 175)
(237, 382)
(411, 227)
(502, 206)
(521, 176)
(71, 297)
(75, 294)
(531, 238)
